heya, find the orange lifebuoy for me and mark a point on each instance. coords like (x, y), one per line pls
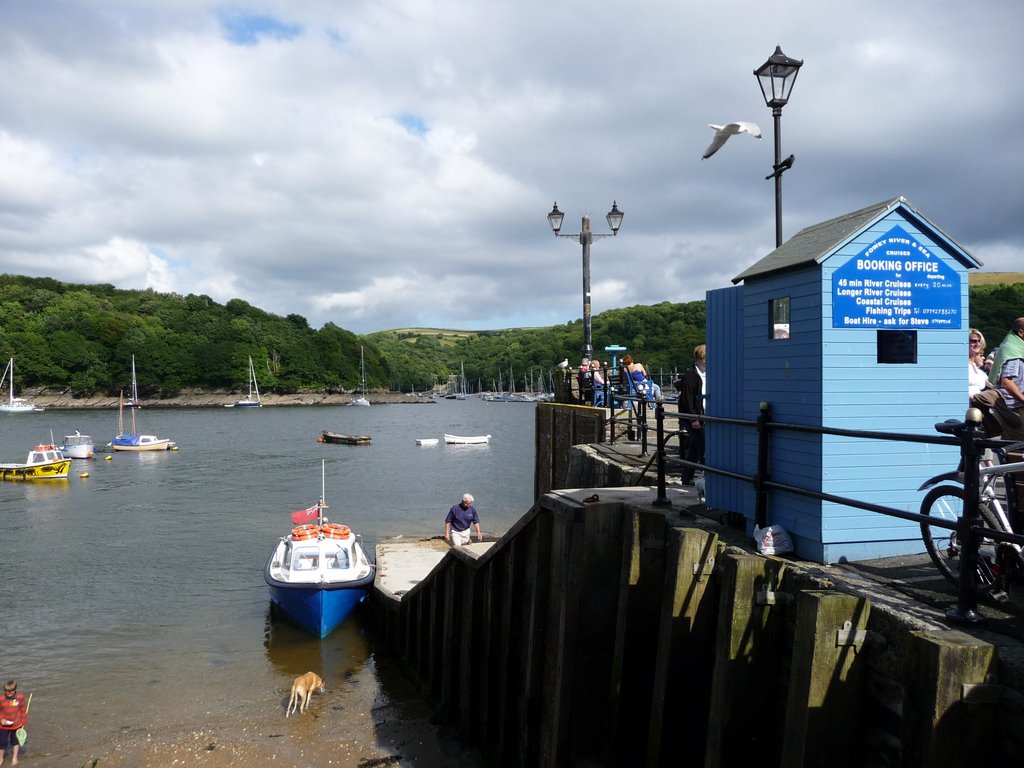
(336, 531)
(305, 532)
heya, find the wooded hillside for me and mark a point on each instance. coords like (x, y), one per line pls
(81, 338)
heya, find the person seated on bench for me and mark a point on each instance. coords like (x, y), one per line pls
(638, 375)
(585, 381)
(598, 382)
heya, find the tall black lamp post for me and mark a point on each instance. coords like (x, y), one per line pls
(585, 237)
(776, 77)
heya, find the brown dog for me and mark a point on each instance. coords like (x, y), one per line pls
(302, 691)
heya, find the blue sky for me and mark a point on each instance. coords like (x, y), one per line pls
(380, 165)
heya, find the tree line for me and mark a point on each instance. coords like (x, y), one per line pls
(81, 338)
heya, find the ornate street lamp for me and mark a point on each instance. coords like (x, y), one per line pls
(776, 78)
(585, 237)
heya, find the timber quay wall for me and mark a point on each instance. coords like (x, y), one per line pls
(615, 632)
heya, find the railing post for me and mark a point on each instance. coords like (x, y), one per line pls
(641, 423)
(659, 419)
(760, 491)
(967, 527)
(611, 404)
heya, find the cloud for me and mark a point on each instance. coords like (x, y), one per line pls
(386, 165)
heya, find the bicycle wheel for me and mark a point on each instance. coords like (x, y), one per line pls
(946, 502)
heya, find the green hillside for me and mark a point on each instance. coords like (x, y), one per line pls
(80, 338)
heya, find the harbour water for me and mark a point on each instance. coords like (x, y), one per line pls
(132, 600)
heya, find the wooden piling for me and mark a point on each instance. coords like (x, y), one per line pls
(826, 673)
(940, 728)
(745, 690)
(683, 663)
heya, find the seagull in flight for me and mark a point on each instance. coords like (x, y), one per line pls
(723, 132)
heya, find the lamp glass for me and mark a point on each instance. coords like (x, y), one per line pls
(555, 219)
(776, 78)
(614, 218)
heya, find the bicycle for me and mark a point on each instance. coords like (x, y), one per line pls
(998, 562)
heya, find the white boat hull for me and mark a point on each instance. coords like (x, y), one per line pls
(137, 443)
(78, 447)
(467, 439)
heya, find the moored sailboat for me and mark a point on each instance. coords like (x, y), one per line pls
(250, 402)
(361, 400)
(133, 397)
(133, 441)
(14, 404)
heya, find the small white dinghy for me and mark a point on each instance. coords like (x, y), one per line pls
(427, 441)
(467, 439)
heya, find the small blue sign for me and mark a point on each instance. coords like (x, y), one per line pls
(896, 283)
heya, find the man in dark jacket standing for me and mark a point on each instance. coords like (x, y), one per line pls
(692, 390)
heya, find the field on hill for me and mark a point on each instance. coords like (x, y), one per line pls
(995, 278)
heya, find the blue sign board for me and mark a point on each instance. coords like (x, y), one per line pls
(896, 283)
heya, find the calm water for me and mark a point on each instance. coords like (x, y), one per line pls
(136, 589)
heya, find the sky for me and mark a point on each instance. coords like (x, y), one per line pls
(381, 165)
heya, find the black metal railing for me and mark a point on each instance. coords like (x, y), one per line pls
(970, 528)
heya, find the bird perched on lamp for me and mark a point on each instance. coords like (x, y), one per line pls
(781, 168)
(723, 132)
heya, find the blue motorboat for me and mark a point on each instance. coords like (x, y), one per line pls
(318, 573)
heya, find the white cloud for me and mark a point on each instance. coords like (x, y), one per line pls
(385, 165)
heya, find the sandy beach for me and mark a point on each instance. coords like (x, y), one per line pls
(374, 719)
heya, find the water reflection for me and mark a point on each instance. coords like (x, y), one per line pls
(293, 651)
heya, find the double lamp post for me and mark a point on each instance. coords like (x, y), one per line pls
(585, 237)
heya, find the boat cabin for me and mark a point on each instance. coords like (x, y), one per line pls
(301, 556)
(44, 454)
(316, 560)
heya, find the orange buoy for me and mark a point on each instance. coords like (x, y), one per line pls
(336, 531)
(305, 532)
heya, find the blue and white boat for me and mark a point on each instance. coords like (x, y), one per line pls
(318, 573)
(133, 441)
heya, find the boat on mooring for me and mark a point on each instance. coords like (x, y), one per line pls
(319, 573)
(78, 446)
(44, 462)
(250, 401)
(14, 404)
(133, 441)
(467, 439)
(342, 439)
(361, 400)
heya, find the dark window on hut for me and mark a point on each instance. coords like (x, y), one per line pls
(897, 347)
(778, 318)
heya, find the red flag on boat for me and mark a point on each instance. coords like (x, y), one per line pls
(305, 515)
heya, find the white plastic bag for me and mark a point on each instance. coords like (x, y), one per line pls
(773, 540)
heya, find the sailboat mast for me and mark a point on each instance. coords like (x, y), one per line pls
(135, 387)
(362, 370)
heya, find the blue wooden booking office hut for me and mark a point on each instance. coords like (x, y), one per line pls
(859, 322)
